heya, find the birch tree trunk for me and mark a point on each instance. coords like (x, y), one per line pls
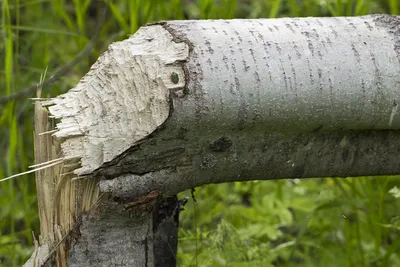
(186, 103)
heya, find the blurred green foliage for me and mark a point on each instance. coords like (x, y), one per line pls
(316, 222)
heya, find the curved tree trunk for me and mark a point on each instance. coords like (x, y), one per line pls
(186, 103)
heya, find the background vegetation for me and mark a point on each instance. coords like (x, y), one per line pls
(316, 222)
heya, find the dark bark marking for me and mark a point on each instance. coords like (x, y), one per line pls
(311, 47)
(238, 36)
(208, 44)
(287, 25)
(334, 32)
(243, 108)
(392, 25)
(221, 145)
(296, 49)
(319, 22)
(368, 25)
(353, 26)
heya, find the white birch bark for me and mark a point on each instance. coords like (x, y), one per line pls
(186, 103)
(278, 75)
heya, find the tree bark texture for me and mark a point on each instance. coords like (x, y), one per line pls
(186, 103)
(125, 235)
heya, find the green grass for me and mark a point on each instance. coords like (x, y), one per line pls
(314, 222)
(319, 222)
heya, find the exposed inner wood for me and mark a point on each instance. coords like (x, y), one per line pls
(123, 98)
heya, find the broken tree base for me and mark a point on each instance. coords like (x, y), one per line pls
(115, 234)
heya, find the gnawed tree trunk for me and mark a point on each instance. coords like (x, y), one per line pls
(186, 103)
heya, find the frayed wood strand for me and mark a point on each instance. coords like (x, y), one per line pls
(30, 171)
(48, 132)
(45, 163)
